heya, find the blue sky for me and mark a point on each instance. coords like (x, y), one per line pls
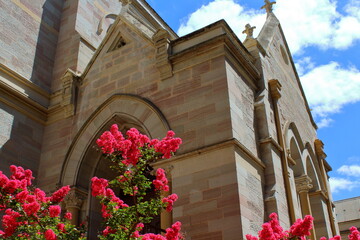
(324, 38)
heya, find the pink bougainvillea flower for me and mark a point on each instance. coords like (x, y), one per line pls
(60, 194)
(54, 210)
(49, 235)
(169, 200)
(161, 182)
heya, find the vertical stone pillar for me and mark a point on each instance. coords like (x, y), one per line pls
(324, 167)
(73, 202)
(162, 44)
(303, 185)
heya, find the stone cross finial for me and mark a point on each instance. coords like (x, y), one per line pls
(249, 30)
(268, 6)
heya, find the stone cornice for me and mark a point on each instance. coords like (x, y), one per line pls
(23, 86)
(219, 145)
(319, 193)
(29, 99)
(22, 102)
(272, 141)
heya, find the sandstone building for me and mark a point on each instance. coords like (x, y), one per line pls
(347, 215)
(71, 68)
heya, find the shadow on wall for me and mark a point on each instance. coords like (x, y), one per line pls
(6, 125)
(20, 140)
(46, 43)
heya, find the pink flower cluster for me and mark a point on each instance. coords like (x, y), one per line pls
(129, 148)
(172, 233)
(273, 231)
(169, 200)
(302, 227)
(20, 179)
(167, 145)
(33, 203)
(161, 182)
(99, 188)
(354, 234)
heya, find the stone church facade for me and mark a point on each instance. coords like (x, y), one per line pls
(70, 69)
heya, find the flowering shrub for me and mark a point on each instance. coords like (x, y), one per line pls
(299, 230)
(131, 157)
(29, 213)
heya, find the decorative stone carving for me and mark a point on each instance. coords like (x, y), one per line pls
(303, 183)
(275, 88)
(319, 149)
(70, 82)
(162, 44)
(74, 199)
(291, 161)
(125, 2)
(100, 25)
(249, 30)
(268, 6)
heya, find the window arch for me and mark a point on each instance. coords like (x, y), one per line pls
(82, 160)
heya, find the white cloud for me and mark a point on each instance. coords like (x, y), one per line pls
(354, 159)
(303, 65)
(350, 170)
(324, 122)
(347, 28)
(305, 22)
(338, 184)
(329, 87)
(234, 14)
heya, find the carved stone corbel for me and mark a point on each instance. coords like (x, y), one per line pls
(275, 88)
(125, 2)
(303, 183)
(70, 82)
(162, 44)
(319, 149)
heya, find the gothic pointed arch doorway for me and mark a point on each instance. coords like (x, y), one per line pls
(84, 160)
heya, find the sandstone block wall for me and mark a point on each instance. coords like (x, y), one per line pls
(28, 39)
(79, 36)
(291, 104)
(220, 193)
(194, 100)
(20, 140)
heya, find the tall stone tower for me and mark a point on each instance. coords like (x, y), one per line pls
(69, 69)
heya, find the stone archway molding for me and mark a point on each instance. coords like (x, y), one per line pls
(134, 106)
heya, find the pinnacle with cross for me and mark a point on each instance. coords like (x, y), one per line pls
(268, 6)
(249, 31)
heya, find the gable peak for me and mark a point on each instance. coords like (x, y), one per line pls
(118, 43)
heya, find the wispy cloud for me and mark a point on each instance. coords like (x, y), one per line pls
(324, 122)
(350, 170)
(354, 159)
(234, 14)
(338, 184)
(350, 180)
(329, 87)
(316, 23)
